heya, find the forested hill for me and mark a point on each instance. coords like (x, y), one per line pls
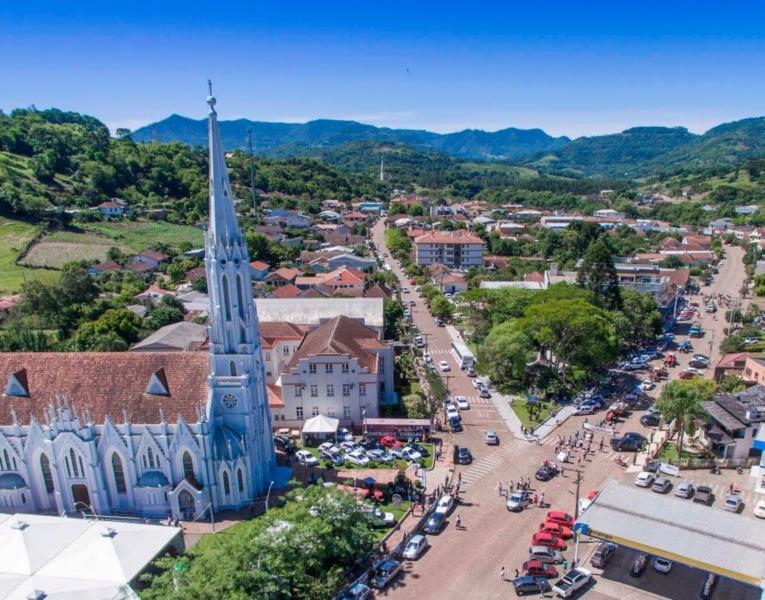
(644, 151)
(282, 139)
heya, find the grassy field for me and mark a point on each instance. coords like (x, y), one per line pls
(61, 247)
(13, 236)
(522, 410)
(138, 235)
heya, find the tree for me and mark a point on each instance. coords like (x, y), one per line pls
(731, 384)
(161, 316)
(639, 319)
(441, 307)
(199, 285)
(597, 273)
(116, 329)
(393, 312)
(680, 401)
(505, 353)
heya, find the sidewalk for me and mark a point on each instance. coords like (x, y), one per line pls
(513, 423)
(551, 424)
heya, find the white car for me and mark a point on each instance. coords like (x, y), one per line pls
(444, 366)
(344, 435)
(662, 565)
(477, 383)
(647, 385)
(358, 457)
(445, 504)
(410, 454)
(326, 446)
(732, 503)
(759, 509)
(451, 411)
(462, 402)
(304, 457)
(427, 357)
(349, 447)
(645, 479)
(584, 409)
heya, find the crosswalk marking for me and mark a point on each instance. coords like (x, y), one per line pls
(483, 466)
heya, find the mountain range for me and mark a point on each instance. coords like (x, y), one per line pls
(635, 152)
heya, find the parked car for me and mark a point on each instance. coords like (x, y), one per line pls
(584, 409)
(344, 434)
(625, 444)
(490, 437)
(556, 529)
(445, 504)
(560, 517)
(603, 553)
(470, 372)
(462, 402)
(463, 456)
(662, 565)
(759, 509)
(304, 457)
(358, 591)
(704, 495)
(651, 419)
(527, 584)
(410, 454)
(541, 538)
(415, 547)
(645, 479)
(389, 441)
(545, 554)
(420, 448)
(698, 364)
(285, 444)
(358, 458)
(435, 524)
(333, 455)
(439, 322)
(484, 393)
(349, 447)
(652, 466)
(661, 485)
(452, 412)
(380, 456)
(518, 501)
(455, 424)
(385, 571)
(732, 503)
(537, 568)
(573, 581)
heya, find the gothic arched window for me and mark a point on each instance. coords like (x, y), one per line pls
(119, 474)
(240, 296)
(47, 476)
(240, 480)
(73, 458)
(232, 368)
(150, 454)
(226, 484)
(188, 466)
(7, 466)
(226, 298)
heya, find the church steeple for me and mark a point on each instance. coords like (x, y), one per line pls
(223, 223)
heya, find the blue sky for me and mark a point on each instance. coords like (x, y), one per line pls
(570, 68)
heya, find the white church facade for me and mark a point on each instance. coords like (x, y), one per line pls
(151, 434)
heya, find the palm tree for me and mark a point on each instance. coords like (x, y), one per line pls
(680, 401)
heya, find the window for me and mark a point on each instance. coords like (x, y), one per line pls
(5, 465)
(344, 368)
(73, 458)
(47, 476)
(226, 484)
(150, 454)
(346, 389)
(240, 296)
(232, 368)
(286, 350)
(314, 391)
(381, 363)
(330, 390)
(240, 479)
(346, 412)
(315, 411)
(312, 368)
(362, 389)
(119, 474)
(298, 391)
(226, 298)
(329, 367)
(331, 411)
(382, 388)
(268, 356)
(188, 466)
(299, 413)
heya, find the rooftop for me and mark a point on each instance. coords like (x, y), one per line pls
(314, 311)
(459, 236)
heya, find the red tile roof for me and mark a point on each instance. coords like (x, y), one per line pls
(340, 336)
(459, 236)
(285, 273)
(108, 266)
(274, 396)
(535, 276)
(259, 265)
(106, 383)
(272, 332)
(153, 254)
(286, 291)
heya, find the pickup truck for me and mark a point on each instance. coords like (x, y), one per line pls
(572, 582)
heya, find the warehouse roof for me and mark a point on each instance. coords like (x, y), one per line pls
(708, 538)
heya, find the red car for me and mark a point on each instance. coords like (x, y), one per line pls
(390, 442)
(545, 539)
(537, 568)
(686, 374)
(561, 518)
(557, 530)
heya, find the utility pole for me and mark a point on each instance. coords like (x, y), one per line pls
(252, 169)
(578, 482)
(446, 380)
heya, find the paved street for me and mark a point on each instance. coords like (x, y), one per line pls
(468, 561)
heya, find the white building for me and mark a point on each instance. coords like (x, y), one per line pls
(341, 369)
(153, 433)
(456, 249)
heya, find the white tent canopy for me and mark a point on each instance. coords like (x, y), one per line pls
(321, 424)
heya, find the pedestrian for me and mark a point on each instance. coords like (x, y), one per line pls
(499, 488)
(542, 500)
(516, 573)
(509, 485)
(562, 470)
(502, 573)
(601, 444)
(459, 477)
(459, 522)
(536, 499)
(576, 434)
(446, 479)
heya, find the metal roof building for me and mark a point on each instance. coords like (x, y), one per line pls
(314, 311)
(707, 538)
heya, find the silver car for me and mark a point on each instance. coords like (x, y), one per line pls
(415, 547)
(684, 489)
(545, 554)
(732, 503)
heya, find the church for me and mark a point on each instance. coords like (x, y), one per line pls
(148, 434)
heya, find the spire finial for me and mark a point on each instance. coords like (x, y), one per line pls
(210, 98)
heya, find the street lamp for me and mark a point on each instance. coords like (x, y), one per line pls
(268, 495)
